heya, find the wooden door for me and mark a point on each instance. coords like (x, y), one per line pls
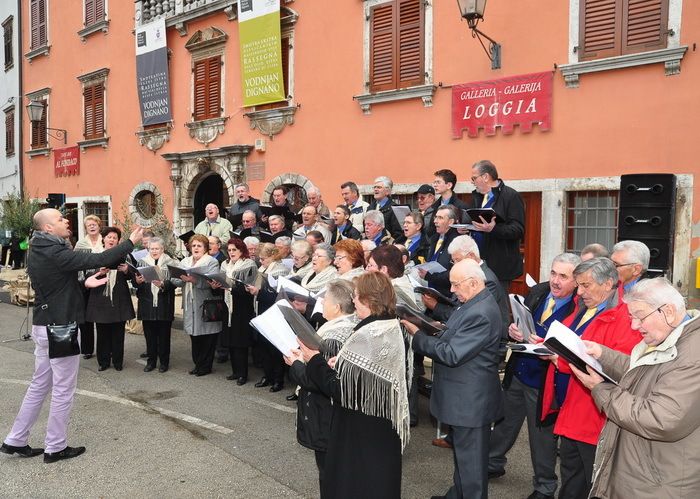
(530, 245)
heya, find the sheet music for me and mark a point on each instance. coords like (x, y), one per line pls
(273, 326)
(431, 267)
(522, 315)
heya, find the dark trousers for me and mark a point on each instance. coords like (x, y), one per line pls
(320, 464)
(221, 352)
(110, 344)
(471, 455)
(576, 467)
(273, 363)
(521, 403)
(87, 338)
(157, 335)
(203, 347)
(239, 361)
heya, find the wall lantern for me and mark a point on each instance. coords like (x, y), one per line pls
(35, 110)
(473, 12)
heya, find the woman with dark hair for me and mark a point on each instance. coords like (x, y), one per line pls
(389, 261)
(196, 290)
(109, 306)
(349, 258)
(240, 269)
(367, 382)
(156, 306)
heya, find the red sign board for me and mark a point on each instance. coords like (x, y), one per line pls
(517, 100)
(66, 161)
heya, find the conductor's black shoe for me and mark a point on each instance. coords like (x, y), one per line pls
(87, 356)
(242, 381)
(149, 368)
(25, 451)
(67, 453)
(276, 387)
(496, 474)
(144, 355)
(263, 382)
(103, 368)
(292, 397)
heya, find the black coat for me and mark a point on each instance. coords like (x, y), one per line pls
(53, 269)
(391, 224)
(314, 411)
(165, 311)
(441, 280)
(420, 253)
(350, 232)
(240, 333)
(501, 248)
(454, 201)
(102, 310)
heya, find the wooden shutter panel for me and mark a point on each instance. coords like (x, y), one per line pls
(39, 130)
(382, 41)
(285, 66)
(42, 23)
(34, 23)
(88, 111)
(214, 87)
(599, 28)
(10, 132)
(98, 95)
(410, 43)
(200, 90)
(89, 12)
(644, 25)
(99, 10)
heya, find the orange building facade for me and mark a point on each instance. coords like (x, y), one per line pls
(616, 109)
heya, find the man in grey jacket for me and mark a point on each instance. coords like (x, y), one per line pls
(53, 269)
(466, 389)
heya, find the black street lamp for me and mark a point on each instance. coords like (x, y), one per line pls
(473, 12)
(35, 110)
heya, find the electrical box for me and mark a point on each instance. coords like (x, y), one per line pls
(260, 145)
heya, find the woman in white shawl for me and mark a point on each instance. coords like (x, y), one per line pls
(349, 259)
(196, 290)
(301, 256)
(240, 270)
(322, 268)
(156, 306)
(370, 424)
(314, 409)
(91, 242)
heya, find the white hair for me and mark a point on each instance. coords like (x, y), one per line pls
(368, 245)
(637, 252)
(570, 258)
(251, 240)
(315, 189)
(385, 181)
(375, 216)
(464, 245)
(283, 241)
(656, 292)
(469, 268)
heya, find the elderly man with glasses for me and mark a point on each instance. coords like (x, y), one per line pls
(631, 258)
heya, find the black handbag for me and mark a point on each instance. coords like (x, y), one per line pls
(63, 340)
(213, 310)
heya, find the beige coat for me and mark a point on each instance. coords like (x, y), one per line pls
(650, 445)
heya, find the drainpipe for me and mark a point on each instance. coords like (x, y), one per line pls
(20, 100)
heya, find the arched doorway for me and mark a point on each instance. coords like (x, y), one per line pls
(210, 190)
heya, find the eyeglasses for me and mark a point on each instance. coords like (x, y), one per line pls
(474, 177)
(339, 257)
(618, 265)
(455, 284)
(642, 319)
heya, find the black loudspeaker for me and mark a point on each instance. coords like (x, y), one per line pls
(56, 200)
(647, 214)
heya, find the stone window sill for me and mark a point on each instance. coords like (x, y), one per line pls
(98, 142)
(670, 57)
(424, 92)
(205, 131)
(42, 151)
(94, 28)
(154, 138)
(270, 122)
(32, 54)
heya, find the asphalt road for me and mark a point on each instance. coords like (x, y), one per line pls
(175, 435)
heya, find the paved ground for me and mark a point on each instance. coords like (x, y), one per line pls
(174, 435)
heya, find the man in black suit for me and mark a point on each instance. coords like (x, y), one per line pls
(383, 203)
(413, 238)
(444, 234)
(466, 390)
(498, 240)
(343, 226)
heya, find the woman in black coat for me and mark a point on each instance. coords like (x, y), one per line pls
(156, 306)
(109, 306)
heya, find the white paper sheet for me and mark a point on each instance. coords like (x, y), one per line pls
(273, 326)
(431, 267)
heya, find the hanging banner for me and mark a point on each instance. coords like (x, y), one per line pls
(66, 161)
(152, 73)
(517, 100)
(261, 51)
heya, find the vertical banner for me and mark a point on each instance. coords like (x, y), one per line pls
(152, 73)
(261, 51)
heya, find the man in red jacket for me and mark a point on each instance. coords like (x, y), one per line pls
(602, 317)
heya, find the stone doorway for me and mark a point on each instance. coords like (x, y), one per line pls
(211, 189)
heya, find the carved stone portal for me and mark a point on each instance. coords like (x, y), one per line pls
(270, 122)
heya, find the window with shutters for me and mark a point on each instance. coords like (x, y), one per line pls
(398, 62)
(38, 24)
(207, 88)
(613, 34)
(39, 138)
(94, 17)
(94, 108)
(10, 131)
(7, 42)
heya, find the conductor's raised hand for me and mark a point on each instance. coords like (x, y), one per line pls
(136, 234)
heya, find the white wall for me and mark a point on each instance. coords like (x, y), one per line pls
(9, 95)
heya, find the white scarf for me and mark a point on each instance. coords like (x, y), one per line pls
(319, 280)
(230, 269)
(111, 281)
(374, 356)
(188, 262)
(352, 273)
(335, 333)
(163, 262)
(86, 243)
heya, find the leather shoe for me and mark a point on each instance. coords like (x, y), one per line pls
(144, 355)
(87, 356)
(192, 371)
(292, 397)
(162, 369)
(25, 451)
(263, 382)
(103, 368)
(67, 453)
(202, 373)
(496, 474)
(118, 367)
(441, 442)
(539, 495)
(231, 377)
(241, 381)
(148, 368)
(276, 387)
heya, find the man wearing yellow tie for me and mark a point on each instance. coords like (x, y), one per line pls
(549, 301)
(601, 316)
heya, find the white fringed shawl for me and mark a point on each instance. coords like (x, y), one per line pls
(162, 264)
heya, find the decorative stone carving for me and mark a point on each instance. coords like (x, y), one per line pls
(134, 212)
(285, 179)
(270, 122)
(154, 138)
(205, 131)
(423, 92)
